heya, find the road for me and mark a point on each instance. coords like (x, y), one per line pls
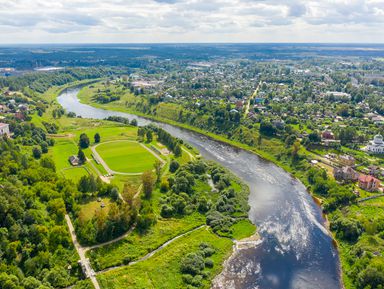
(80, 250)
(251, 97)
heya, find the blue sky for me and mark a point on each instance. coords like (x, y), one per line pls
(132, 21)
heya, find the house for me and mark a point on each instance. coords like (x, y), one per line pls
(347, 160)
(19, 115)
(345, 173)
(327, 135)
(239, 104)
(376, 146)
(4, 129)
(74, 160)
(368, 183)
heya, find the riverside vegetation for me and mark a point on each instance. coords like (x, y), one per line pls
(170, 200)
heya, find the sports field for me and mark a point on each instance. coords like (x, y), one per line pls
(126, 156)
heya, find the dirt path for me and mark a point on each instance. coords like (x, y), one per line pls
(149, 255)
(191, 156)
(80, 250)
(250, 98)
(370, 198)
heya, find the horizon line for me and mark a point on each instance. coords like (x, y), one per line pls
(171, 42)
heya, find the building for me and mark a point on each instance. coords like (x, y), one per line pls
(4, 129)
(345, 174)
(369, 183)
(376, 146)
(74, 160)
(347, 160)
(327, 135)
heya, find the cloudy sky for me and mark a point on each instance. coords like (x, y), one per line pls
(73, 21)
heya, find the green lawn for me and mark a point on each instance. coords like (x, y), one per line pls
(163, 269)
(88, 210)
(61, 151)
(75, 173)
(136, 245)
(126, 156)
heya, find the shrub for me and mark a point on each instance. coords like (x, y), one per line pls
(192, 264)
(209, 263)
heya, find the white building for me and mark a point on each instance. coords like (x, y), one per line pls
(376, 145)
(4, 129)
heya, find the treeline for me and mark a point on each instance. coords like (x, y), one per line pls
(171, 142)
(121, 119)
(41, 81)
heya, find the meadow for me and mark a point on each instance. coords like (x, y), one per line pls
(126, 156)
(163, 269)
(138, 245)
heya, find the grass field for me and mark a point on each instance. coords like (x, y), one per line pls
(126, 156)
(162, 271)
(61, 151)
(75, 173)
(136, 245)
(88, 210)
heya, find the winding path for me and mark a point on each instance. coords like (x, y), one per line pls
(150, 254)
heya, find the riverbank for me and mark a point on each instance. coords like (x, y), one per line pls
(224, 154)
(301, 175)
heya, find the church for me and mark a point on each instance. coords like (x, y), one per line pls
(376, 146)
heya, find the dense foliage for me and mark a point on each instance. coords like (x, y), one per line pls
(35, 245)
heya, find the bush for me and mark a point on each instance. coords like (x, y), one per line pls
(36, 152)
(192, 264)
(209, 263)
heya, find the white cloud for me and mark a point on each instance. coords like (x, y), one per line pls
(191, 20)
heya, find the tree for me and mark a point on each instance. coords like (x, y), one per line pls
(44, 147)
(47, 162)
(36, 152)
(97, 137)
(84, 141)
(266, 128)
(148, 183)
(174, 165)
(149, 136)
(81, 156)
(177, 151)
(128, 194)
(157, 165)
(134, 122)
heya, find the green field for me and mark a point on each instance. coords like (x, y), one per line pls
(163, 269)
(138, 245)
(126, 156)
(75, 173)
(88, 210)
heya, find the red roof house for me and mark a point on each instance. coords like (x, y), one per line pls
(368, 183)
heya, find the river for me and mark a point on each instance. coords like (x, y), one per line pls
(295, 250)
